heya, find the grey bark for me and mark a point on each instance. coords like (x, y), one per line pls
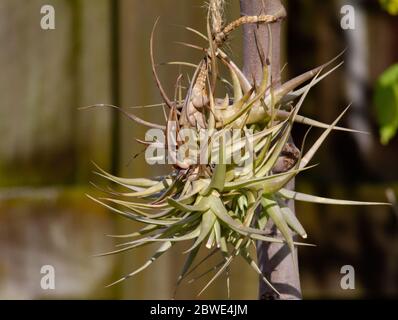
(275, 260)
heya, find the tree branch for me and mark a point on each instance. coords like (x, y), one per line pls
(276, 261)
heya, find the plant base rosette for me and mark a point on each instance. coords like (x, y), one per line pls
(212, 200)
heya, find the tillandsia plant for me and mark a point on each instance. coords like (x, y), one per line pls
(224, 184)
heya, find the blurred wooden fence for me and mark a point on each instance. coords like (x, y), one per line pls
(98, 53)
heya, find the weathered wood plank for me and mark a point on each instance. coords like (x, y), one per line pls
(54, 227)
(46, 76)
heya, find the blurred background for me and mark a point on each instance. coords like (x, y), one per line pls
(99, 53)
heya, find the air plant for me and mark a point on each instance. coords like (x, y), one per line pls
(220, 204)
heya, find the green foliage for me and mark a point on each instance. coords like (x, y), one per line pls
(386, 102)
(391, 6)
